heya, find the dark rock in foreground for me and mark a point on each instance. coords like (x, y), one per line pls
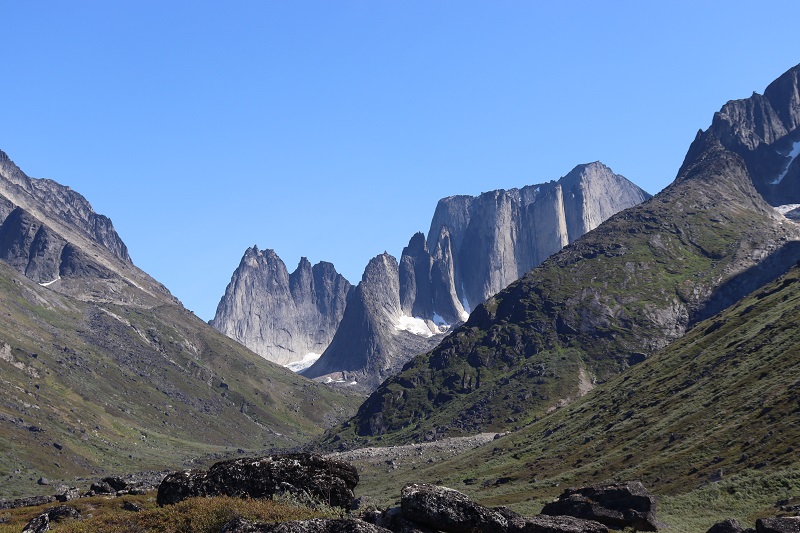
(617, 505)
(778, 525)
(727, 526)
(317, 525)
(304, 475)
(448, 510)
(54, 514)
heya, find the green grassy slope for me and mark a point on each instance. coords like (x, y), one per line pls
(617, 295)
(94, 388)
(711, 424)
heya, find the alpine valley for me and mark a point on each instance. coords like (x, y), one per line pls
(103, 371)
(560, 335)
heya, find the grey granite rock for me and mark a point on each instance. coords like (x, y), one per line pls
(300, 474)
(281, 316)
(617, 505)
(500, 235)
(370, 343)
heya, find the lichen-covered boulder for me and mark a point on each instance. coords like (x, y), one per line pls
(787, 524)
(42, 522)
(448, 510)
(617, 505)
(304, 475)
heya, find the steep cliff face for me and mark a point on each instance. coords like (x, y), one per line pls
(763, 130)
(375, 337)
(54, 200)
(495, 238)
(50, 234)
(282, 317)
(476, 247)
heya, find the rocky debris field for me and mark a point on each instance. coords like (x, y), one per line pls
(422, 452)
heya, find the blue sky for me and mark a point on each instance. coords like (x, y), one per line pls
(330, 129)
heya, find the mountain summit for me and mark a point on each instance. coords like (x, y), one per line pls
(282, 317)
(476, 246)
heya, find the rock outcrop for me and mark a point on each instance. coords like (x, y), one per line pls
(762, 129)
(617, 505)
(51, 234)
(788, 524)
(282, 317)
(482, 244)
(305, 476)
(53, 200)
(41, 523)
(446, 509)
(426, 508)
(476, 246)
(375, 338)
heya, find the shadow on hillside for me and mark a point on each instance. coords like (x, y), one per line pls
(742, 284)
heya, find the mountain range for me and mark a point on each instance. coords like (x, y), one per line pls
(660, 345)
(104, 371)
(617, 295)
(475, 247)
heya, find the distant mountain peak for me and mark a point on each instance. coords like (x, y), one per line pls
(281, 316)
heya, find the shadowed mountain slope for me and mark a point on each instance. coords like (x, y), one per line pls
(103, 371)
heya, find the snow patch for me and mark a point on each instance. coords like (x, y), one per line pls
(783, 209)
(417, 326)
(792, 156)
(307, 360)
(48, 283)
(438, 320)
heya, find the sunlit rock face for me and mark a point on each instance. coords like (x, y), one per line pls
(281, 316)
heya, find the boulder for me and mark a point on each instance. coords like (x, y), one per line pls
(304, 475)
(101, 487)
(317, 525)
(116, 483)
(617, 505)
(448, 510)
(728, 526)
(132, 507)
(555, 524)
(393, 520)
(54, 514)
(65, 493)
(788, 524)
(31, 501)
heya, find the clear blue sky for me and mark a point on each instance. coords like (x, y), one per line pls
(329, 129)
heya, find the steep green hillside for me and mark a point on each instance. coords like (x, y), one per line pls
(91, 388)
(608, 301)
(717, 412)
(711, 424)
